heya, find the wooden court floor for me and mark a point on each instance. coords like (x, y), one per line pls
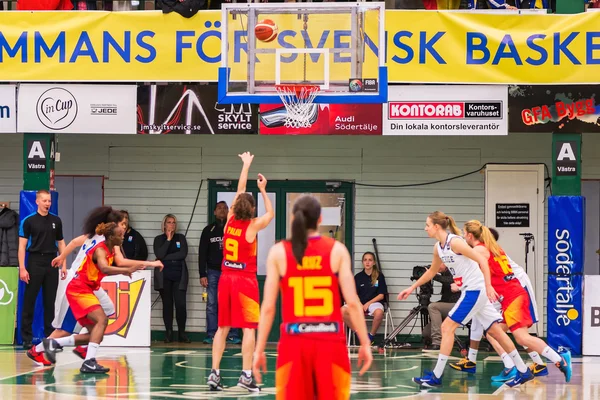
(180, 373)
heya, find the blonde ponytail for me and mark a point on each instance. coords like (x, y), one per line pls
(484, 235)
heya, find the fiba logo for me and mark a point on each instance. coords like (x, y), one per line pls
(355, 85)
(56, 108)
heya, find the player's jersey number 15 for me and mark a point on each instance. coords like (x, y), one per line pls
(317, 288)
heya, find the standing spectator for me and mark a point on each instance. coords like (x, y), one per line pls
(171, 248)
(210, 257)
(439, 310)
(134, 245)
(9, 236)
(39, 235)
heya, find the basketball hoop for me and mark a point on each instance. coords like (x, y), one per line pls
(299, 102)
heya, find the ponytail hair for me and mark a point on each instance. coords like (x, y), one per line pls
(306, 211)
(106, 229)
(484, 235)
(445, 221)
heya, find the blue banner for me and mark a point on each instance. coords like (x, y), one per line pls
(566, 236)
(27, 207)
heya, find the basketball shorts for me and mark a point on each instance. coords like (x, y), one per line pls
(82, 301)
(474, 304)
(477, 329)
(312, 369)
(63, 316)
(238, 301)
(517, 312)
(528, 286)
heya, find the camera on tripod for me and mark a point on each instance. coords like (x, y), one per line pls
(426, 290)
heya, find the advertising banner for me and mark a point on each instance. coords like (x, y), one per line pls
(130, 324)
(569, 109)
(566, 230)
(591, 316)
(191, 109)
(76, 108)
(423, 47)
(327, 119)
(8, 108)
(9, 284)
(446, 110)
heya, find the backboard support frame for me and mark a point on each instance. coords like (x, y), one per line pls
(258, 95)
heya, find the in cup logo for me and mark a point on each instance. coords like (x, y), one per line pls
(56, 108)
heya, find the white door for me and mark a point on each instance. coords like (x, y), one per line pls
(514, 205)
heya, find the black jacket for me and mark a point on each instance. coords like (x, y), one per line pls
(210, 252)
(446, 279)
(134, 246)
(9, 238)
(161, 247)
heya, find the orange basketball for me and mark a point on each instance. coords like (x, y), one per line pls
(266, 30)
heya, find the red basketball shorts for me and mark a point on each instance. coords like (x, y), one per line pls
(82, 301)
(238, 301)
(517, 312)
(312, 369)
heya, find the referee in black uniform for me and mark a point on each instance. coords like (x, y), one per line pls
(40, 235)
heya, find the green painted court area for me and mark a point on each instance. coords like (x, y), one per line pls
(169, 373)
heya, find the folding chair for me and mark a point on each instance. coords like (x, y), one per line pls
(388, 322)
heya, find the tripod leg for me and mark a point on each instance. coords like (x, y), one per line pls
(413, 313)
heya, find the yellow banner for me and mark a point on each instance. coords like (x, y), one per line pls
(446, 47)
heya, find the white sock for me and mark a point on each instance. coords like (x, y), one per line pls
(508, 362)
(441, 364)
(92, 349)
(40, 347)
(247, 372)
(473, 355)
(535, 357)
(551, 355)
(66, 341)
(516, 358)
(218, 371)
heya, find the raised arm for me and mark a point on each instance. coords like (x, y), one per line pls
(247, 161)
(264, 220)
(267, 310)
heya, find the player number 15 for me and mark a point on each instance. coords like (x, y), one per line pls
(307, 288)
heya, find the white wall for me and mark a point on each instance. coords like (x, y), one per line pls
(154, 175)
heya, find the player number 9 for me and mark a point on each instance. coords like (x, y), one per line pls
(231, 249)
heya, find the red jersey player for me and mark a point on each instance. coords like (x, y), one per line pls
(312, 360)
(238, 288)
(514, 299)
(84, 304)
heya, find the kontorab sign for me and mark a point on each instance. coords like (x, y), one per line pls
(446, 110)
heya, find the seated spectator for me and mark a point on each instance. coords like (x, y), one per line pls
(439, 310)
(171, 248)
(134, 245)
(371, 289)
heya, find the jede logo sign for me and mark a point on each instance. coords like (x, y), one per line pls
(126, 297)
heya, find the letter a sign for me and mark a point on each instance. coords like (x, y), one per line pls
(36, 157)
(566, 161)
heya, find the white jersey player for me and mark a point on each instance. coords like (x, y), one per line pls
(472, 275)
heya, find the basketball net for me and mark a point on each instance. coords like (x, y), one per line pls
(298, 101)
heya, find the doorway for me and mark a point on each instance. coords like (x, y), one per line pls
(78, 195)
(337, 201)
